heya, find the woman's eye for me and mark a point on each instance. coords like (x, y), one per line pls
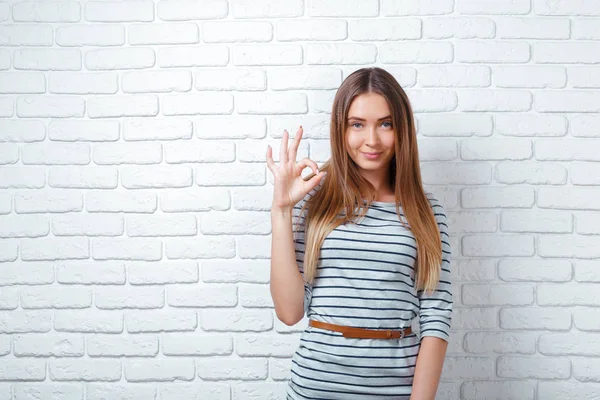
(387, 124)
(355, 124)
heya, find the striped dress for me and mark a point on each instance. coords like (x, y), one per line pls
(365, 278)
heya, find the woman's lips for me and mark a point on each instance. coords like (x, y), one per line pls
(371, 156)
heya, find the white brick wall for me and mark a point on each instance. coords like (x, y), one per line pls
(134, 197)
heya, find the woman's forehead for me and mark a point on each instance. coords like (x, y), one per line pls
(369, 106)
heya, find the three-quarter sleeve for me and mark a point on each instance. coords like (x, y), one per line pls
(435, 308)
(299, 230)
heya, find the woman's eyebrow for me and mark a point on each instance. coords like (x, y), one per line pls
(362, 119)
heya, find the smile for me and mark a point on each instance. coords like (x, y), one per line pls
(371, 156)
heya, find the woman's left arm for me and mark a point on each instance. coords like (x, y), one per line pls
(429, 368)
(435, 315)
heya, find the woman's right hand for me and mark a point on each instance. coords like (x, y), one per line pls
(290, 186)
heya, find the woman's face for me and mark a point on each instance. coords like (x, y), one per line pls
(370, 135)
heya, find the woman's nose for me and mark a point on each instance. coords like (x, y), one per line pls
(373, 137)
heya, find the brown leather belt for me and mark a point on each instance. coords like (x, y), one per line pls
(352, 332)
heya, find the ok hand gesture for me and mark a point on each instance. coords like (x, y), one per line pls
(290, 186)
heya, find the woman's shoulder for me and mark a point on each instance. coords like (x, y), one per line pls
(438, 208)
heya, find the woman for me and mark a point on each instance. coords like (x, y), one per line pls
(362, 252)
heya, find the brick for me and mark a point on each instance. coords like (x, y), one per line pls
(161, 273)
(116, 11)
(391, 8)
(245, 369)
(206, 247)
(22, 82)
(496, 149)
(371, 29)
(140, 129)
(341, 53)
(456, 173)
(459, 27)
(122, 106)
(48, 345)
(305, 78)
(266, 9)
(140, 297)
(195, 199)
(237, 321)
(127, 153)
(21, 177)
(87, 273)
(122, 346)
(230, 175)
(195, 104)
(311, 29)
(25, 321)
(50, 106)
(203, 296)
(188, 56)
(50, 11)
(83, 131)
(88, 178)
(568, 101)
(479, 51)
(121, 202)
(172, 320)
(495, 100)
(266, 54)
(181, 369)
(235, 79)
(231, 271)
(565, 7)
(56, 297)
(493, 245)
(47, 59)
(90, 35)
(85, 370)
(499, 389)
(26, 35)
(126, 249)
(193, 344)
(532, 367)
(477, 7)
(22, 370)
(530, 77)
(234, 31)
(100, 391)
(85, 83)
(500, 342)
(118, 59)
(166, 33)
(54, 249)
(242, 223)
(549, 52)
(182, 152)
(271, 103)
(56, 154)
(455, 76)
(186, 10)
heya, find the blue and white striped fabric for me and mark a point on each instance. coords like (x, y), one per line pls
(365, 279)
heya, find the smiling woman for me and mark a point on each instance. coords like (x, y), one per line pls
(362, 252)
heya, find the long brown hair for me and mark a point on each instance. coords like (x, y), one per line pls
(344, 186)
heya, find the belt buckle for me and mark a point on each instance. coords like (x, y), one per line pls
(390, 334)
